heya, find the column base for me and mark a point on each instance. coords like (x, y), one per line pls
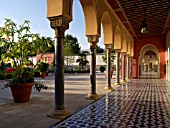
(108, 88)
(117, 84)
(59, 114)
(91, 96)
(123, 81)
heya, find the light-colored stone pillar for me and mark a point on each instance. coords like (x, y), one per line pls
(108, 86)
(123, 67)
(93, 40)
(127, 68)
(59, 24)
(117, 68)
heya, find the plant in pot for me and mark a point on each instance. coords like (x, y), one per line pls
(43, 68)
(18, 44)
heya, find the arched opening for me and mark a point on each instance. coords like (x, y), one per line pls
(117, 38)
(90, 17)
(149, 62)
(124, 44)
(107, 28)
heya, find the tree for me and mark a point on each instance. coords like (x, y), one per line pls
(82, 60)
(99, 49)
(69, 39)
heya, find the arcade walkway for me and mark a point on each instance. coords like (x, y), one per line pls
(139, 103)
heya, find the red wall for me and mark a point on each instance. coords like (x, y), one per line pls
(160, 43)
(50, 57)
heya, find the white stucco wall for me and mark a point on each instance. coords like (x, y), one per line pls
(99, 60)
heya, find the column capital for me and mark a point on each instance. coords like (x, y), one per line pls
(108, 46)
(123, 53)
(59, 24)
(93, 40)
(117, 50)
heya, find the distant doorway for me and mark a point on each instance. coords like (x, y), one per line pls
(149, 62)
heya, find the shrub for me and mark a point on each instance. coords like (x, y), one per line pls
(102, 68)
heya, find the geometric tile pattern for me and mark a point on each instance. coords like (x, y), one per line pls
(137, 104)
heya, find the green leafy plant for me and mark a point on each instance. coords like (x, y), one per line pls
(43, 67)
(102, 68)
(82, 60)
(18, 44)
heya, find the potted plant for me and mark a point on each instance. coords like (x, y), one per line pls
(43, 68)
(18, 44)
(102, 68)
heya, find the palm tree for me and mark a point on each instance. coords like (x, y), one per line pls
(82, 59)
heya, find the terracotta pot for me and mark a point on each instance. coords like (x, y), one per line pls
(42, 74)
(21, 93)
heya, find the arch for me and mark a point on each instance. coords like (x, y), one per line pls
(128, 46)
(107, 28)
(143, 51)
(124, 43)
(90, 17)
(117, 38)
(132, 48)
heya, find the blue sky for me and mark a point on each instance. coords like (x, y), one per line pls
(35, 12)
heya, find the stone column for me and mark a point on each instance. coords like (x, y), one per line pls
(127, 68)
(93, 40)
(130, 65)
(108, 86)
(59, 24)
(123, 68)
(117, 68)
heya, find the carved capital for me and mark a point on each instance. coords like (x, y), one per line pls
(59, 24)
(93, 40)
(108, 46)
(59, 21)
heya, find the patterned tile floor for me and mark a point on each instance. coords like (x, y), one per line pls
(136, 104)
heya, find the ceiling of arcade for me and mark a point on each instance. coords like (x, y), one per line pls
(132, 12)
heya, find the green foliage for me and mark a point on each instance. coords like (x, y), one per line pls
(18, 44)
(71, 43)
(43, 67)
(82, 59)
(77, 69)
(99, 50)
(102, 68)
(3, 75)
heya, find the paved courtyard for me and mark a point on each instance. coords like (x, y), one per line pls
(136, 104)
(33, 114)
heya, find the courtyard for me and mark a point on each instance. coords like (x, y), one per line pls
(33, 114)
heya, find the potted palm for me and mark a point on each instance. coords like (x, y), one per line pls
(82, 60)
(18, 44)
(43, 68)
